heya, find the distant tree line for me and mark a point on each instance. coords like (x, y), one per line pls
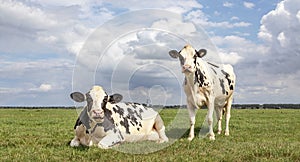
(37, 107)
(234, 106)
(250, 106)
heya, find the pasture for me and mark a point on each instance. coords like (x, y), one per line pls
(255, 135)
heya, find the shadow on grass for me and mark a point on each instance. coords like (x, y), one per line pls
(178, 133)
(80, 147)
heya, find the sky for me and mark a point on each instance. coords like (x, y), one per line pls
(49, 49)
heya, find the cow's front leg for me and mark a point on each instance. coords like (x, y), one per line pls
(80, 137)
(192, 114)
(75, 142)
(110, 140)
(210, 119)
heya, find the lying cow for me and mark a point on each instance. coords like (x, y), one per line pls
(206, 84)
(105, 122)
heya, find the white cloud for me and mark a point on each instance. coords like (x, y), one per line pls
(282, 37)
(277, 70)
(180, 6)
(198, 17)
(249, 5)
(227, 4)
(175, 25)
(42, 88)
(45, 87)
(234, 18)
(230, 58)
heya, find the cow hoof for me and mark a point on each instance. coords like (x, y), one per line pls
(102, 146)
(74, 143)
(219, 131)
(91, 143)
(226, 133)
(162, 140)
(212, 138)
(190, 138)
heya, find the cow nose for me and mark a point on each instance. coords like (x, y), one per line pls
(186, 67)
(98, 112)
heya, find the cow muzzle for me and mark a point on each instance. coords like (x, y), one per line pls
(187, 69)
(97, 115)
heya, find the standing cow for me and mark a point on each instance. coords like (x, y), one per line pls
(206, 84)
(106, 122)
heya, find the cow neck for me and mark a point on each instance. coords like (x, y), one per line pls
(190, 80)
(190, 85)
(92, 130)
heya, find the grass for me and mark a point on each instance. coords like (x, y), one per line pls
(256, 135)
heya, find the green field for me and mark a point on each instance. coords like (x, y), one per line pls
(256, 135)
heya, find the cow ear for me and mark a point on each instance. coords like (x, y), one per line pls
(77, 96)
(173, 54)
(115, 98)
(201, 53)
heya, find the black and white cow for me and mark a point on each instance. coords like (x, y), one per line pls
(206, 84)
(105, 122)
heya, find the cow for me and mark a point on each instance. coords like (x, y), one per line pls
(106, 122)
(206, 84)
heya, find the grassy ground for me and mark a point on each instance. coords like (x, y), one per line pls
(256, 135)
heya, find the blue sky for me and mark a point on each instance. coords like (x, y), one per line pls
(50, 48)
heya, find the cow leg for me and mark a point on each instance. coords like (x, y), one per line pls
(75, 142)
(160, 128)
(113, 138)
(210, 119)
(192, 114)
(80, 137)
(228, 108)
(219, 118)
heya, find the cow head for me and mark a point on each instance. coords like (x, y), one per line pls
(187, 57)
(96, 100)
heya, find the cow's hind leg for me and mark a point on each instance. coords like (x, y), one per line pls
(160, 128)
(210, 119)
(227, 115)
(219, 111)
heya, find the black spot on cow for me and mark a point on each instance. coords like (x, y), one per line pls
(200, 78)
(138, 129)
(118, 110)
(141, 111)
(89, 101)
(230, 82)
(125, 124)
(108, 117)
(214, 70)
(108, 125)
(216, 66)
(222, 85)
(132, 123)
(83, 119)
